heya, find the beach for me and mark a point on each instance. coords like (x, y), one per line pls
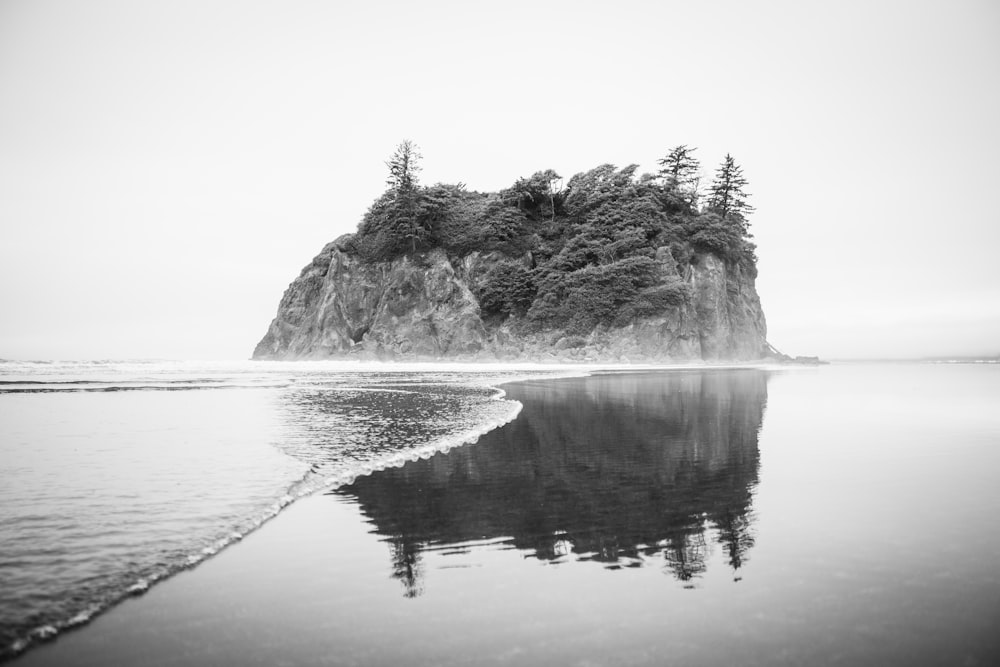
(656, 518)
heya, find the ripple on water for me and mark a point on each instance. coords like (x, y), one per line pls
(104, 493)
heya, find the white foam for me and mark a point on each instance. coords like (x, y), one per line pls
(424, 452)
(315, 479)
(138, 587)
(44, 632)
(83, 617)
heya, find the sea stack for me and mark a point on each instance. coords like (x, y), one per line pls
(609, 267)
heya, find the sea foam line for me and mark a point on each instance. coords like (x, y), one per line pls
(309, 484)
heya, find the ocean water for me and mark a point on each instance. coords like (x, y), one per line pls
(116, 475)
(618, 470)
(843, 514)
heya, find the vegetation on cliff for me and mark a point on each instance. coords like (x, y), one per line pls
(573, 255)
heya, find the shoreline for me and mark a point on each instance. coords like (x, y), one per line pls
(621, 520)
(66, 634)
(43, 638)
(140, 629)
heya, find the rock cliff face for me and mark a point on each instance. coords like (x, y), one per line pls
(424, 307)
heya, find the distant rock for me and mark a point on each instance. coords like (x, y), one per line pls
(611, 267)
(424, 307)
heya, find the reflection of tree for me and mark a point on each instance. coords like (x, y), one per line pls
(619, 468)
(736, 537)
(686, 553)
(406, 565)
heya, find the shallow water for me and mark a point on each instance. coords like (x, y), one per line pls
(833, 515)
(844, 514)
(116, 475)
(627, 471)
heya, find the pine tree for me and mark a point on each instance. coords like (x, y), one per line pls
(397, 220)
(726, 195)
(681, 173)
(403, 167)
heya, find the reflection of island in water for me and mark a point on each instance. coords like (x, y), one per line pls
(623, 469)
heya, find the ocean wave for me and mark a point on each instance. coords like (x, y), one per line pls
(25, 387)
(320, 477)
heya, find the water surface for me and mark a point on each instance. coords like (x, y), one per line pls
(116, 475)
(833, 515)
(633, 470)
(845, 514)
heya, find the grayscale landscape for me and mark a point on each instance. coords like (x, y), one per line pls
(535, 333)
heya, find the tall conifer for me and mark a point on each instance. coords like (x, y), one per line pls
(681, 174)
(403, 167)
(726, 194)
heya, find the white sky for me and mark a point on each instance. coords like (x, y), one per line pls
(168, 167)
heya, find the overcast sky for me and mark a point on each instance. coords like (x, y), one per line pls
(168, 167)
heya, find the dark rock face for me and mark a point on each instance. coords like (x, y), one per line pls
(730, 321)
(424, 307)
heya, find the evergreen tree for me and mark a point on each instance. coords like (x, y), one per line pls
(726, 195)
(530, 194)
(403, 167)
(405, 216)
(681, 173)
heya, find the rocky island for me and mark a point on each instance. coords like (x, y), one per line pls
(609, 266)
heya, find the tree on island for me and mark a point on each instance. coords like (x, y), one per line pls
(402, 216)
(595, 252)
(529, 194)
(681, 174)
(726, 195)
(403, 167)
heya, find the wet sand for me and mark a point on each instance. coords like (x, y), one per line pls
(278, 597)
(460, 559)
(623, 520)
(313, 587)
